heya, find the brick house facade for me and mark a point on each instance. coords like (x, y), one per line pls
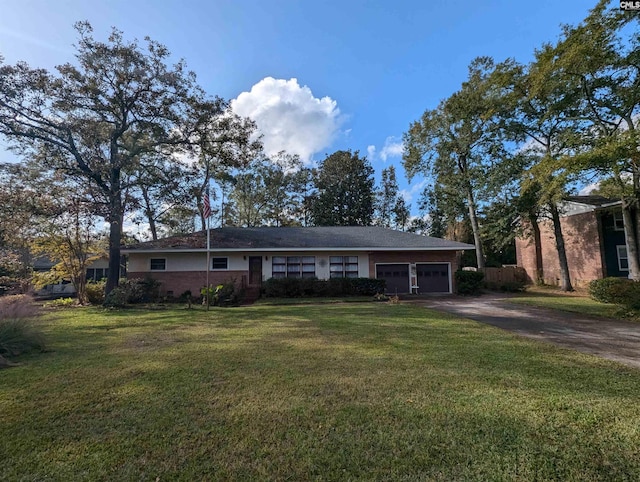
(247, 256)
(594, 242)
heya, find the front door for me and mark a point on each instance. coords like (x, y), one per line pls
(255, 270)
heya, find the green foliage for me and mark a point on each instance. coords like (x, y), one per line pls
(185, 296)
(619, 291)
(95, 292)
(391, 208)
(345, 194)
(313, 287)
(117, 298)
(141, 290)
(469, 282)
(224, 294)
(62, 303)
(17, 333)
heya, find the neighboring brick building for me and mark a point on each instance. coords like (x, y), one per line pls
(409, 263)
(594, 238)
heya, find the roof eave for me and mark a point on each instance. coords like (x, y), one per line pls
(279, 250)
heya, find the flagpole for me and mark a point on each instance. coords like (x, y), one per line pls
(208, 224)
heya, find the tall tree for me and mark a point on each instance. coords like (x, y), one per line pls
(602, 55)
(391, 210)
(344, 196)
(97, 119)
(69, 238)
(386, 197)
(302, 193)
(457, 143)
(279, 175)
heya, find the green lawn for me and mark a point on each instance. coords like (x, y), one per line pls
(573, 303)
(354, 391)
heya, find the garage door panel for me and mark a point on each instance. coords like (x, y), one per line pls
(396, 276)
(433, 278)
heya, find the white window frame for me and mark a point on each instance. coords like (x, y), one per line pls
(219, 257)
(287, 263)
(619, 248)
(151, 268)
(343, 263)
(618, 221)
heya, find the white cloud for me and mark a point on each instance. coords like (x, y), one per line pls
(392, 148)
(588, 189)
(417, 188)
(371, 152)
(289, 117)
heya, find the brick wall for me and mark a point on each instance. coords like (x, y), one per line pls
(582, 242)
(181, 281)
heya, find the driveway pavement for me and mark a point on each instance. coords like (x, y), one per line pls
(612, 339)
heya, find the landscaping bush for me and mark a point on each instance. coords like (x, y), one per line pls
(224, 294)
(141, 290)
(607, 290)
(367, 286)
(117, 298)
(619, 291)
(17, 333)
(506, 286)
(313, 287)
(95, 292)
(469, 282)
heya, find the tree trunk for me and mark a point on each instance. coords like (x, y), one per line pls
(537, 244)
(81, 289)
(631, 239)
(149, 213)
(565, 278)
(115, 232)
(473, 217)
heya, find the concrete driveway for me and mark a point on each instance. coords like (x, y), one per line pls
(612, 339)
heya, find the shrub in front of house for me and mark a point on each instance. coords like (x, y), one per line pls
(224, 294)
(141, 290)
(117, 298)
(95, 292)
(469, 282)
(313, 287)
(619, 291)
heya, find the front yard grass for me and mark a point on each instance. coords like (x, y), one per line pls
(355, 391)
(576, 303)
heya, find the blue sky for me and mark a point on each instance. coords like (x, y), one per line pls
(316, 76)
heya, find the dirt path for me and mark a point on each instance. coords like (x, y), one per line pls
(612, 339)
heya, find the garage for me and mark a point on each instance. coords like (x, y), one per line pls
(433, 278)
(396, 276)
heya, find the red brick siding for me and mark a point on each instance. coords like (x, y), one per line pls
(181, 281)
(582, 241)
(415, 257)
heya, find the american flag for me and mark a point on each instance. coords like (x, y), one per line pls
(207, 205)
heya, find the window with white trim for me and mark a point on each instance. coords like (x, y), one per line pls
(97, 274)
(293, 266)
(343, 266)
(618, 221)
(623, 259)
(219, 263)
(158, 264)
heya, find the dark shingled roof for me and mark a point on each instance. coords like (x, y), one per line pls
(334, 237)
